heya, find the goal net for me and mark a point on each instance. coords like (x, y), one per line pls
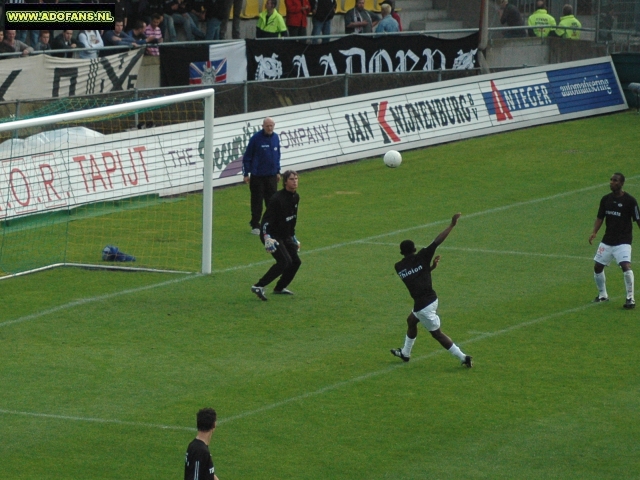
(123, 186)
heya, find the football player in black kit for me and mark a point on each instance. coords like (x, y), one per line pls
(620, 210)
(415, 272)
(198, 464)
(278, 234)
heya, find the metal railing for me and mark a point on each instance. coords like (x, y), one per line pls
(250, 95)
(622, 38)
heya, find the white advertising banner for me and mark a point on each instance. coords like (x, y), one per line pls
(45, 76)
(169, 160)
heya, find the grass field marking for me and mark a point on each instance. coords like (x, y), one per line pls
(85, 301)
(109, 296)
(497, 252)
(95, 420)
(322, 390)
(315, 250)
(393, 367)
(464, 216)
(534, 321)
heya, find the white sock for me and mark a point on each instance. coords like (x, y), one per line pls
(601, 283)
(628, 281)
(454, 350)
(408, 345)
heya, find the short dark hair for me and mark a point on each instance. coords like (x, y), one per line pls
(286, 175)
(619, 175)
(407, 247)
(540, 4)
(206, 419)
(156, 16)
(567, 10)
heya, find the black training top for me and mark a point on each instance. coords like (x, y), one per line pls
(620, 213)
(279, 220)
(198, 464)
(415, 272)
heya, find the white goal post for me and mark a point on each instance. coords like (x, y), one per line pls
(66, 173)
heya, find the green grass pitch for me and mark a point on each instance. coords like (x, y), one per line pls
(101, 373)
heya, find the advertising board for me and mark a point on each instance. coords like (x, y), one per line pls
(169, 160)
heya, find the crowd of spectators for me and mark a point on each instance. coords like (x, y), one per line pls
(544, 23)
(147, 23)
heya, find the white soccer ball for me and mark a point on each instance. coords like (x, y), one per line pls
(392, 159)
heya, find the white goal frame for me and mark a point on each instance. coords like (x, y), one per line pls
(207, 187)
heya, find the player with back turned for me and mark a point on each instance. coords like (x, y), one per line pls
(414, 270)
(198, 464)
(619, 210)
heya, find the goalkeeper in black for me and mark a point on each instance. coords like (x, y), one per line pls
(198, 464)
(278, 234)
(414, 270)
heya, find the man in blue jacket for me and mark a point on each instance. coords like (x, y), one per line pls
(261, 169)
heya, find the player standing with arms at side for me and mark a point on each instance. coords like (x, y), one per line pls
(261, 169)
(278, 235)
(415, 272)
(620, 211)
(198, 464)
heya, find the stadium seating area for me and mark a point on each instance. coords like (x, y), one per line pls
(415, 15)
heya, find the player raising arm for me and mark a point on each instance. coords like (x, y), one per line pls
(414, 270)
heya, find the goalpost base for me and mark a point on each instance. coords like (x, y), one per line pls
(68, 191)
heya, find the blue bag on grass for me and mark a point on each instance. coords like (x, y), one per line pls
(113, 254)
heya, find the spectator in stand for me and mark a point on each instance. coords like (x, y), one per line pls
(4, 48)
(153, 30)
(43, 43)
(119, 38)
(120, 10)
(214, 13)
(359, 20)
(33, 34)
(388, 24)
(237, 10)
(64, 41)
(198, 11)
(510, 16)
(146, 9)
(270, 22)
(568, 20)
(394, 14)
(607, 22)
(179, 10)
(541, 18)
(16, 45)
(89, 39)
(137, 32)
(322, 12)
(297, 11)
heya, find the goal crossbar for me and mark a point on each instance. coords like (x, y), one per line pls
(207, 95)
